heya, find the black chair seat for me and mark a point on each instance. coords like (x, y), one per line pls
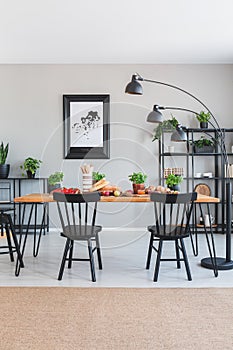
(4, 219)
(82, 233)
(4, 215)
(168, 233)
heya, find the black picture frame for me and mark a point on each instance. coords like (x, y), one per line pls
(86, 125)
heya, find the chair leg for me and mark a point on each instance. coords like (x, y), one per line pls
(19, 255)
(71, 254)
(9, 243)
(92, 264)
(193, 232)
(185, 260)
(98, 252)
(17, 246)
(67, 246)
(157, 265)
(177, 254)
(149, 251)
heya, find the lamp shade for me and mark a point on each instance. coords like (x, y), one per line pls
(134, 87)
(155, 116)
(179, 135)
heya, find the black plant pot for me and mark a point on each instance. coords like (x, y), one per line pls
(203, 125)
(4, 171)
(53, 187)
(204, 149)
(175, 188)
(30, 175)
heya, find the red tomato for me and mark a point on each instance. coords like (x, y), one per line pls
(70, 190)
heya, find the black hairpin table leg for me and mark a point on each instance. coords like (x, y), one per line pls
(36, 245)
(22, 242)
(36, 242)
(211, 261)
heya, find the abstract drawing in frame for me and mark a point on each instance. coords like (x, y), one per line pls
(86, 126)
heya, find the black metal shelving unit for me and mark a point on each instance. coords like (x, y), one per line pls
(228, 139)
(189, 160)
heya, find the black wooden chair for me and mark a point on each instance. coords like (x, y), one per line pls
(172, 216)
(77, 213)
(6, 224)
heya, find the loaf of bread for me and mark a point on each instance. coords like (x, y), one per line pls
(110, 188)
(99, 185)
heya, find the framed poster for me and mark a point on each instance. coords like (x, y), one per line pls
(86, 126)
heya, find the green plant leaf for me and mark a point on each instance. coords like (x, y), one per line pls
(3, 153)
(173, 179)
(31, 164)
(96, 176)
(138, 178)
(56, 178)
(203, 117)
(200, 143)
(166, 125)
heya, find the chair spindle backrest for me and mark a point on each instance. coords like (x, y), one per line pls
(172, 211)
(77, 210)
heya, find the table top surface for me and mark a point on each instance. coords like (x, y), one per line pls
(46, 198)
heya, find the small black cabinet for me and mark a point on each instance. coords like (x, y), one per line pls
(18, 186)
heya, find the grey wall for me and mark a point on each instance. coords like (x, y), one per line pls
(31, 119)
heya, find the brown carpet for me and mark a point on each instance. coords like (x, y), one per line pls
(106, 318)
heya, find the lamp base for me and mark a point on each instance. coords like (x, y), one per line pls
(222, 264)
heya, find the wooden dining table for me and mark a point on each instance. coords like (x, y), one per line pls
(44, 198)
(47, 198)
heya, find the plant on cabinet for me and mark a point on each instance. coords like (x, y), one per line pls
(173, 182)
(166, 125)
(4, 168)
(203, 145)
(203, 119)
(30, 165)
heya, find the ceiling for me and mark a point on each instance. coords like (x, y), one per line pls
(121, 31)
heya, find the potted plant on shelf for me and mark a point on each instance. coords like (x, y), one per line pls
(203, 145)
(30, 165)
(4, 168)
(55, 181)
(96, 176)
(203, 119)
(138, 180)
(173, 182)
(166, 125)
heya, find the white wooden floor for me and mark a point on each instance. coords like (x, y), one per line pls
(124, 256)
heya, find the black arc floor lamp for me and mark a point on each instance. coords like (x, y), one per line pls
(135, 88)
